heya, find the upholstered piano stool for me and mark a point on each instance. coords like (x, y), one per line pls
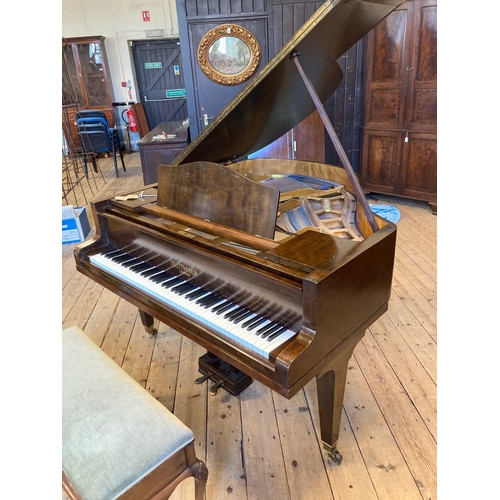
(118, 441)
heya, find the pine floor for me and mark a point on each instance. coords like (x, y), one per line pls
(260, 446)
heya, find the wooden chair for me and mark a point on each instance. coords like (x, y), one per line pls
(118, 441)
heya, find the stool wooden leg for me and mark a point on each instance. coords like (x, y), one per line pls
(200, 473)
(68, 488)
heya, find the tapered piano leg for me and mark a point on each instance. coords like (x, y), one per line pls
(149, 322)
(331, 388)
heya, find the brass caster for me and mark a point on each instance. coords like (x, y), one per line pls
(151, 330)
(335, 456)
(333, 453)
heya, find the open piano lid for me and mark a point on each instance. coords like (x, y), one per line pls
(277, 99)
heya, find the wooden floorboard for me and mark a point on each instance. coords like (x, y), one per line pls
(259, 445)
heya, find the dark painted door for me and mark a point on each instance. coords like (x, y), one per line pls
(160, 80)
(306, 141)
(211, 97)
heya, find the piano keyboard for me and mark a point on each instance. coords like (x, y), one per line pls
(231, 320)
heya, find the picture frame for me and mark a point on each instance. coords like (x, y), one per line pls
(229, 54)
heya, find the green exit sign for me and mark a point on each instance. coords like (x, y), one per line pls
(176, 93)
(153, 65)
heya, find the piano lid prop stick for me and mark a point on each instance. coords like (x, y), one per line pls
(360, 195)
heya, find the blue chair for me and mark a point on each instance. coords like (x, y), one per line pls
(90, 120)
(92, 116)
(96, 139)
(91, 113)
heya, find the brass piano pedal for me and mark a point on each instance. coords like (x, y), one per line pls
(202, 379)
(215, 388)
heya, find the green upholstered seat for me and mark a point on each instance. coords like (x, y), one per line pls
(113, 431)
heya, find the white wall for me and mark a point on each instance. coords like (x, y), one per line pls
(119, 21)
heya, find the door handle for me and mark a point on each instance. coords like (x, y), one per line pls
(206, 119)
(155, 100)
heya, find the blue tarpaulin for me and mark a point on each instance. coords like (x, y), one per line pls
(388, 212)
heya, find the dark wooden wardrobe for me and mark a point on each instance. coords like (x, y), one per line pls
(399, 152)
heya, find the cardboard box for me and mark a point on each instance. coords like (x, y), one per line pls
(75, 224)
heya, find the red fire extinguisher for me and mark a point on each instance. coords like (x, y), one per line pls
(131, 120)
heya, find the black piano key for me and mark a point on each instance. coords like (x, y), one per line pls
(172, 282)
(240, 312)
(158, 278)
(223, 307)
(254, 322)
(190, 289)
(132, 262)
(262, 315)
(242, 316)
(271, 331)
(196, 294)
(209, 300)
(277, 334)
(112, 253)
(248, 308)
(262, 331)
(141, 267)
(183, 288)
(122, 258)
(220, 306)
(118, 253)
(233, 313)
(214, 301)
(183, 283)
(151, 272)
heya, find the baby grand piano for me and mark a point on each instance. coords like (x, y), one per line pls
(200, 252)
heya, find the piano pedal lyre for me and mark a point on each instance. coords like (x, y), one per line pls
(223, 374)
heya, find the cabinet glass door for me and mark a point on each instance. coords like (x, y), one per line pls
(71, 90)
(93, 73)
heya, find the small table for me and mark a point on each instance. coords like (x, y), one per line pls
(156, 151)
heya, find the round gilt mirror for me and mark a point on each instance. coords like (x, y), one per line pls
(229, 54)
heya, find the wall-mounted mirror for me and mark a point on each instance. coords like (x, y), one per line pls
(229, 54)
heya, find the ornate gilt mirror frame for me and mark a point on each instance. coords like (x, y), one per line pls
(229, 54)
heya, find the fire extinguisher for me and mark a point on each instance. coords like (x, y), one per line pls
(131, 120)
